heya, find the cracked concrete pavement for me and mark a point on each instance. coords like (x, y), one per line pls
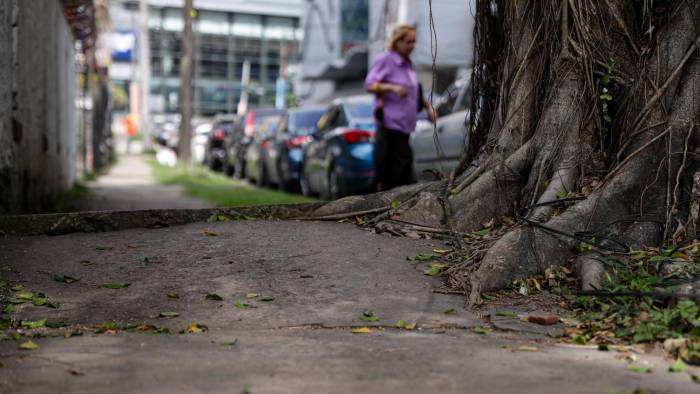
(317, 278)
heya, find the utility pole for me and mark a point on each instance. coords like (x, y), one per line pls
(281, 84)
(186, 86)
(144, 75)
(245, 85)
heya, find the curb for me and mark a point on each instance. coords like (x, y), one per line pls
(103, 221)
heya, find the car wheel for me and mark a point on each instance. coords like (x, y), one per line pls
(333, 190)
(214, 165)
(282, 183)
(304, 184)
(261, 180)
(239, 170)
(228, 169)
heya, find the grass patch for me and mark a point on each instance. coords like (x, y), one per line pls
(222, 191)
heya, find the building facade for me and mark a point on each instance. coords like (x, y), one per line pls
(227, 33)
(336, 31)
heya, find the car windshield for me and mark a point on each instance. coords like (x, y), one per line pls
(267, 125)
(224, 125)
(303, 122)
(359, 109)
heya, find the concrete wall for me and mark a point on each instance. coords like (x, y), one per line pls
(38, 121)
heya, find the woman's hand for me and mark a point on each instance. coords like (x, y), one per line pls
(380, 88)
(432, 115)
(398, 89)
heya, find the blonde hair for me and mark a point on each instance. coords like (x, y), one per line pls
(399, 33)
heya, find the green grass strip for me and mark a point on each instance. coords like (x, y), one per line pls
(218, 189)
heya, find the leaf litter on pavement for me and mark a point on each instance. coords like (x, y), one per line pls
(196, 328)
(243, 305)
(369, 316)
(28, 345)
(406, 326)
(115, 285)
(65, 278)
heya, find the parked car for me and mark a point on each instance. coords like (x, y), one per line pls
(200, 138)
(452, 108)
(256, 170)
(282, 156)
(166, 129)
(215, 153)
(338, 161)
(242, 136)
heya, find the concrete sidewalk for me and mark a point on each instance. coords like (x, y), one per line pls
(292, 292)
(129, 185)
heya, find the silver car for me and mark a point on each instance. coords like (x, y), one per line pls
(439, 153)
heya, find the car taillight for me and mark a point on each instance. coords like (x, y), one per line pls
(218, 135)
(354, 136)
(297, 142)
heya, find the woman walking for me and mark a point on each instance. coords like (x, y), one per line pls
(398, 99)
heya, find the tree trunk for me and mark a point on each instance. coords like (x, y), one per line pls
(584, 129)
(186, 86)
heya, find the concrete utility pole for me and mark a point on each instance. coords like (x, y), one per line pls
(186, 86)
(144, 75)
(245, 85)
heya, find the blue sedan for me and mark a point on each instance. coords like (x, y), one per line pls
(284, 152)
(339, 159)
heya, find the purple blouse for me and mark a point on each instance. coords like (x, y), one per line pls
(399, 113)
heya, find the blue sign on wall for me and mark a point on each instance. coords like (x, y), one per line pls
(123, 46)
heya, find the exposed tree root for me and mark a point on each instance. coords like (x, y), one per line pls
(588, 91)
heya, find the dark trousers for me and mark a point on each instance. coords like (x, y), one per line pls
(393, 158)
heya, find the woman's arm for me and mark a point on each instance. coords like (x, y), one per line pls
(378, 73)
(381, 87)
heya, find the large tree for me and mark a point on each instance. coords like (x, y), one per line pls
(584, 128)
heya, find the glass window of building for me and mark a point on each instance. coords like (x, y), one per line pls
(354, 24)
(279, 28)
(154, 19)
(213, 23)
(245, 25)
(172, 20)
(213, 56)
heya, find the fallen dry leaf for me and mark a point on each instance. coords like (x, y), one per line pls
(194, 328)
(29, 345)
(526, 348)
